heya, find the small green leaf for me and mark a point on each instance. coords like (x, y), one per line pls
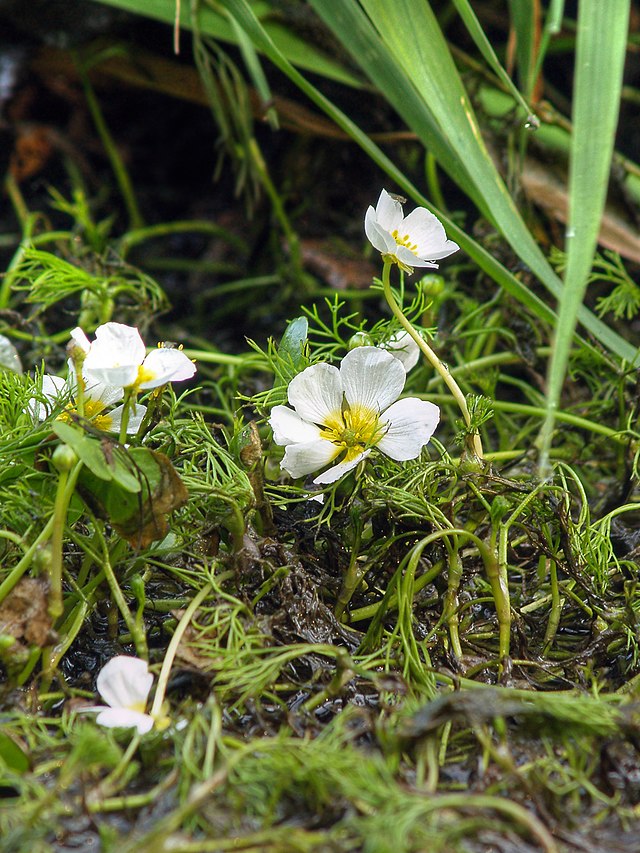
(11, 755)
(293, 342)
(103, 456)
(89, 451)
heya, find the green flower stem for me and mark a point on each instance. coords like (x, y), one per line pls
(137, 631)
(109, 784)
(497, 580)
(129, 400)
(66, 485)
(243, 361)
(430, 355)
(167, 663)
(345, 670)
(619, 436)
(164, 229)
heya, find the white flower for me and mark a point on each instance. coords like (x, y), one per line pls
(416, 240)
(348, 411)
(124, 684)
(61, 393)
(118, 357)
(402, 346)
(54, 392)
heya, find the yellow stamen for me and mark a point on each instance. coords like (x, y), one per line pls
(405, 241)
(353, 429)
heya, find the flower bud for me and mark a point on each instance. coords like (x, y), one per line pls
(360, 339)
(64, 458)
(432, 284)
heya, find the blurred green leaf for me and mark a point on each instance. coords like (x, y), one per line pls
(298, 50)
(11, 755)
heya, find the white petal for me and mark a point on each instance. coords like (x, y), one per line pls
(55, 390)
(124, 682)
(115, 718)
(54, 387)
(411, 423)
(98, 392)
(121, 376)
(289, 428)
(428, 233)
(372, 378)
(79, 339)
(115, 419)
(115, 355)
(316, 393)
(166, 365)
(121, 340)
(301, 459)
(340, 469)
(388, 212)
(402, 346)
(378, 237)
(421, 262)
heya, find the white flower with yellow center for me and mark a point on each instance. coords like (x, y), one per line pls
(124, 684)
(416, 240)
(118, 357)
(59, 393)
(347, 412)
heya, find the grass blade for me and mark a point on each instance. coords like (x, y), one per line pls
(483, 44)
(300, 52)
(600, 53)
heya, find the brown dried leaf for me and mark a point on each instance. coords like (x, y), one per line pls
(548, 189)
(24, 613)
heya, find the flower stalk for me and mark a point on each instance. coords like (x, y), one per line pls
(430, 355)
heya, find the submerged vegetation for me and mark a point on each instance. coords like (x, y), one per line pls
(349, 561)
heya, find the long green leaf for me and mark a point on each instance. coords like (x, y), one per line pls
(485, 47)
(600, 53)
(298, 50)
(523, 22)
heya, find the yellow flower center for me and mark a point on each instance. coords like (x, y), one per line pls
(144, 375)
(405, 241)
(353, 429)
(92, 408)
(140, 707)
(103, 422)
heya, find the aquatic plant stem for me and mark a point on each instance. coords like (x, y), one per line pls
(431, 357)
